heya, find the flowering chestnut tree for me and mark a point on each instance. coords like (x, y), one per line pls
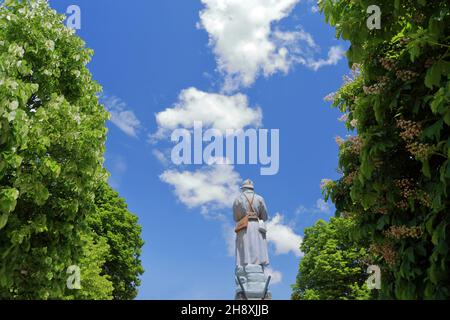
(396, 169)
(52, 134)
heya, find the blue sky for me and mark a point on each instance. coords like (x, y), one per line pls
(147, 53)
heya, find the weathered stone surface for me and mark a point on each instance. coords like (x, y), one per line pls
(253, 280)
(254, 268)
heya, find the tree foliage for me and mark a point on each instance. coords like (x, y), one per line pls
(95, 284)
(110, 263)
(52, 135)
(333, 266)
(396, 169)
(120, 229)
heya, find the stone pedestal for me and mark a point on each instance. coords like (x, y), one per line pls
(253, 280)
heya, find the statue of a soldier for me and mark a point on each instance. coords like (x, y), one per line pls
(250, 214)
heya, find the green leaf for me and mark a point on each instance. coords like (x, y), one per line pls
(447, 118)
(434, 130)
(429, 225)
(447, 173)
(433, 76)
(439, 233)
(41, 195)
(377, 107)
(8, 199)
(3, 220)
(442, 248)
(414, 52)
(426, 168)
(13, 160)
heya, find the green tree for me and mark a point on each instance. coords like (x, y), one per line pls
(396, 169)
(120, 229)
(333, 266)
(95, 285)
(52, 134)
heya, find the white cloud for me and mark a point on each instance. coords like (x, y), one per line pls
(213, 110)
(283, 237)
(335, 54)
(230, 239)
(292, 37)
(124, 119)
(212, 187)
(314, 9)
(120, 165)
(248, 43)
(161, 157)
(240, 34)
(320, 207)
(277, 276)
(117, 167)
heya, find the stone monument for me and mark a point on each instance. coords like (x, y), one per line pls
(252, 258)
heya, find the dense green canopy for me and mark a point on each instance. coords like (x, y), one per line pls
(52, 135)
(396, 169)
(113, 223)
(333, 266)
